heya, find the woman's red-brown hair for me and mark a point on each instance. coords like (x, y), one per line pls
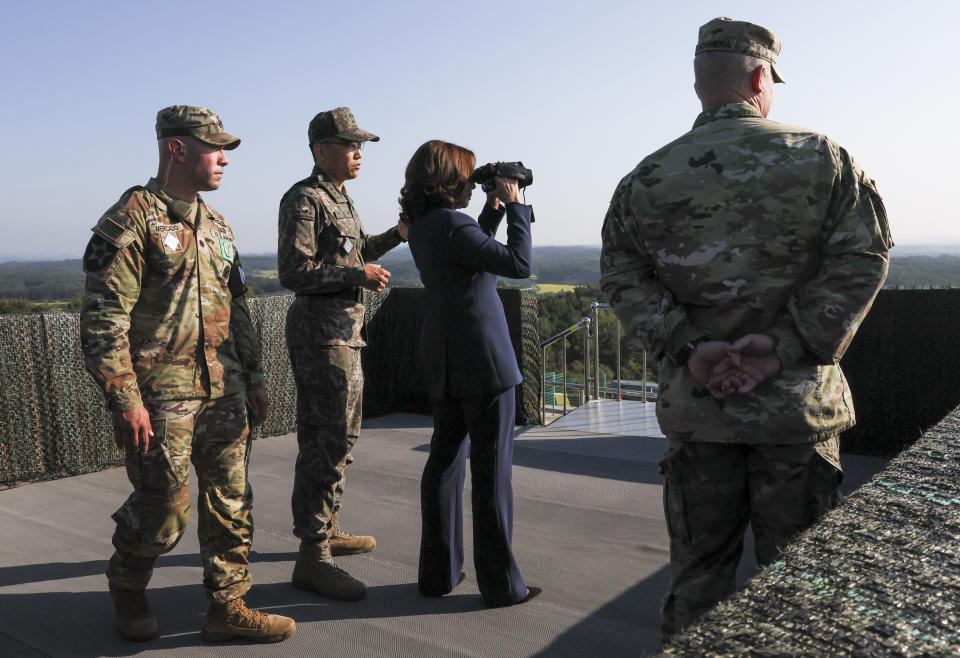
(437, 174)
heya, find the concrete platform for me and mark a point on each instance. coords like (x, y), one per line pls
(588, 529)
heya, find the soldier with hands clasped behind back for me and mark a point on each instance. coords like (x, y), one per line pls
(745, 254)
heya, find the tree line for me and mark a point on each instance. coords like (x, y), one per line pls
(28, 286)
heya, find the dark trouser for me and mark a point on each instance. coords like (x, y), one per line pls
(329, 403)
(713, 490)
(213, 435)
(489, 422)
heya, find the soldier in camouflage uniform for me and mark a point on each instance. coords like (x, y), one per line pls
(324, 257)
(166, 332)
(745, 254)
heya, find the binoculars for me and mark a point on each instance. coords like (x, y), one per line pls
(484, 175)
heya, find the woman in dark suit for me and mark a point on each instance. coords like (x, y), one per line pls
(470, 366)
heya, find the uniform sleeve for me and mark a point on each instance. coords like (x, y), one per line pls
(113, 263)
(300, 267)
(477, 249)
(376, 246)
(628, 281)
(823, 316)
(245, 338)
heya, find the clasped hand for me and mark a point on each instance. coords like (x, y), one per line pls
(725, 369)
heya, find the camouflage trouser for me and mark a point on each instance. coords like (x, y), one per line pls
(213, 435)
(713, 490)
(329, 404)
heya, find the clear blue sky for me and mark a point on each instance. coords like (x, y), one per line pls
(579, 91)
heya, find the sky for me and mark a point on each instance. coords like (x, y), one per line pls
(579, 91)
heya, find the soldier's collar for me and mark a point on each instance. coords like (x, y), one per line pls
(728, 111)
(180, 210)
(328, 185)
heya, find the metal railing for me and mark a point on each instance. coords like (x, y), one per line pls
(592, 326)
(575, 327)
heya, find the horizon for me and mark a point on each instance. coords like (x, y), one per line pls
(909, 249)
(579, 93)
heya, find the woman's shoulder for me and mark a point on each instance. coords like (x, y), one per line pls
(446, 217)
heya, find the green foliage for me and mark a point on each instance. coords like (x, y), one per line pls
(560, 310)
(18, 305)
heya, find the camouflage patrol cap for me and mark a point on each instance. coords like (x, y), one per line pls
(338, 122)
(727, 35)
(198, 122)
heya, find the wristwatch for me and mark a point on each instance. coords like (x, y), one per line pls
(683, 354)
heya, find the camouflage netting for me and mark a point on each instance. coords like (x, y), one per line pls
(53, 421)
(903, 368)
(880, 576)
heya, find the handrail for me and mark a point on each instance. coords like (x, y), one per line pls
(576, 326)
(573, 328)
(592, 326)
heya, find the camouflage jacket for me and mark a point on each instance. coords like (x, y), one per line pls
(163, 314)
(744, 225)
(322, 249)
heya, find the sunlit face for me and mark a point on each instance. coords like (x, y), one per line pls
(463, 199)
(340, 160)
(203, 164)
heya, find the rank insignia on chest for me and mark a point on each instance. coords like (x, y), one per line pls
(226, 250)
(347, 245)
(171, 243)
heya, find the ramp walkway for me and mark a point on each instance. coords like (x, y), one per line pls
(588, 528)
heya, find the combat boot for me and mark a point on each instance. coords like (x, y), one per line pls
(343, 543)
(234, 620)
(316, 572)
(134, 617)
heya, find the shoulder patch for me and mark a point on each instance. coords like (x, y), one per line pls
(114, 231)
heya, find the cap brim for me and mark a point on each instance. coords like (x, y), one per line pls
(358, 136)
(776, 74)
(225, 141)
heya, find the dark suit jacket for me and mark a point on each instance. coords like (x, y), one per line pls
(465, 345)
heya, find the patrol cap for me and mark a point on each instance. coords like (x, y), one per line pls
(727, 35)
(198, 122)
(338, 122)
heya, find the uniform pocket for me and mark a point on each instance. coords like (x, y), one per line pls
(154, 471)
(674, 505)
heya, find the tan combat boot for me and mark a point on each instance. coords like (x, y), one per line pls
(134, 617)
(316, 572)
(343, 543)
(233, 620)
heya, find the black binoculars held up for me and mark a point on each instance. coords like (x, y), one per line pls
(484, 175)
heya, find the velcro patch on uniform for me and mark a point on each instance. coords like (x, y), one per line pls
(171, 244)
(114, 232)
(226, 250)
(157, 227)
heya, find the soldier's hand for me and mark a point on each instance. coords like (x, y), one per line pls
(704, 358)
(750, 361)
(132, 430)
(257, 399)
(377, 277)
(402, 229)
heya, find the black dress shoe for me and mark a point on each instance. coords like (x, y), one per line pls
(532, 593)
(439, 594)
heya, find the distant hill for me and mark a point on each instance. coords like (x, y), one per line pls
(52, 281)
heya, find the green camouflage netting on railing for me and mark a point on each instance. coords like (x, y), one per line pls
(879, 576)
(53, 421)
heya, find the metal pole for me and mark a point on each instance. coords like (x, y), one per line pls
(595, 306)
(586, 363)
(644, 375)
(564, 375)
(619, 392)
(543, 386)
